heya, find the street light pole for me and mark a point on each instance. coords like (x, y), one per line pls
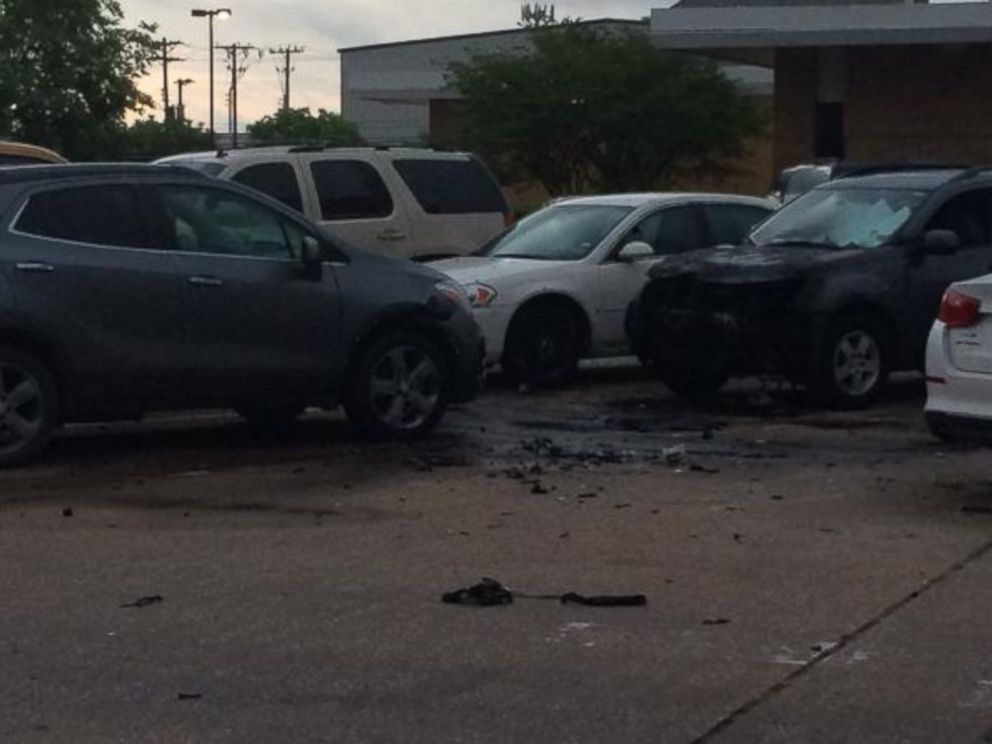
(210, 15)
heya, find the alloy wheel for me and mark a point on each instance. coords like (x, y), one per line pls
(857, 363)
(405, 387)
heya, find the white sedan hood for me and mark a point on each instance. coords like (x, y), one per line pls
(495, 271)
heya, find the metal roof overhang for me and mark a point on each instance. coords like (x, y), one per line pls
(754, 28)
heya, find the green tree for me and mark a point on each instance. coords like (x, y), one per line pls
(594, 110)
(300, 127)
(68, 71)
(148, 139)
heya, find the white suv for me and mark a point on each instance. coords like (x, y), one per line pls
(406, 202)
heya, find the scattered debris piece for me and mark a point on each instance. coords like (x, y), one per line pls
(588, 495)
(538, 488)
(823, 647)
(488, 593)
(145, 601)
(778, 497)
(190, 695)
(67, 512)
(696, 468)
(716, 621)
(564, 535)
(976, 509)
(738, 537)
(674, 456)
(621, 506)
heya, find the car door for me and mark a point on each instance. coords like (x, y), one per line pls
(969, 215)
(355, 202)
(82, 267)
(670, 230)
(259, 323)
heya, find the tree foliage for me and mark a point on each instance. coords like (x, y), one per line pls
(67, 73)
(594, 110)
(301, 127)
(148, 139)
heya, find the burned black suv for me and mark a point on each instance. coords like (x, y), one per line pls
(835, 290)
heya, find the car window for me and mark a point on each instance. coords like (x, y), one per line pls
(567, 232)
(277, 180)
(350, 190)
(452, 186)
(968, 215)
(205, 220)
(672, 230)
(731, 223)
(101, 215)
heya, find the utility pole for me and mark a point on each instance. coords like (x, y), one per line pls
(236, 54)
(166, 46)
(221, 13)
(180, 108)
(287, 52)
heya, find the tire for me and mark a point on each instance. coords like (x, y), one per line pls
(399, 386)
(543, 346)
(274, 420)
(693, 381)
(852, 366)
(29, 407)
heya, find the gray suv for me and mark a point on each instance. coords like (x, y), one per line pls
(129, 289)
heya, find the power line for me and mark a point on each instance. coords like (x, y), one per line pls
(287, 69)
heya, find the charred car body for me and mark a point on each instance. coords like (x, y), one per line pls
(835, 290)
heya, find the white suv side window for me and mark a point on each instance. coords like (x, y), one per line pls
(350, 190)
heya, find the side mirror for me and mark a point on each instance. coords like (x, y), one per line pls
(635, 251)
(313, 252)
(940, 242)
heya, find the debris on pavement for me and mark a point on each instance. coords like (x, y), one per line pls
(489, 593)
(976, 509)
(144, 601)
(67, 512)
(716, 621)
(190, 695)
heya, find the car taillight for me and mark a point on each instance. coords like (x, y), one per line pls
(958, 310)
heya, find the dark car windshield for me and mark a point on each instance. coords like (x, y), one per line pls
(567, 232)
(840, 218)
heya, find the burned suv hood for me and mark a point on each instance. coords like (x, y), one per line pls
(752, 264)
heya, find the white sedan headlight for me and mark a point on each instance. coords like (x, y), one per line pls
(480, 295)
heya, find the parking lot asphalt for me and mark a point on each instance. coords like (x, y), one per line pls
(811, 576)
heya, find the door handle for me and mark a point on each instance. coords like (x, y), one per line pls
(35, 266)
(205, 281)
(391, 235)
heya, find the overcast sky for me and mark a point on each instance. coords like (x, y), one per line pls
(322, 26)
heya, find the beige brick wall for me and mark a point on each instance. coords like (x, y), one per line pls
(795, 106)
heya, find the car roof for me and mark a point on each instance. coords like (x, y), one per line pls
(923, 179)
(252, 153)
(20, 174)
(22, 149)
(658, 198)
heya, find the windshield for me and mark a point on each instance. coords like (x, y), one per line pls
(558, 233)
(840, 218)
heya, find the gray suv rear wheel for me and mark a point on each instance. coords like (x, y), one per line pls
(28, 406)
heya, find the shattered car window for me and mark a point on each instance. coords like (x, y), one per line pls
(841, 218)
(560, 233)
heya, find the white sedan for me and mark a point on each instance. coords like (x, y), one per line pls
(959, 363)
(555, 287)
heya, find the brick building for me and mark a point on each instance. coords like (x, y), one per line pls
(883, 80)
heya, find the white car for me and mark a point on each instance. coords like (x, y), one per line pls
(402, 201)
(959, 363)
(555, 287)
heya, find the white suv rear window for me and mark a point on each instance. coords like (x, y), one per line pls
(452, 186)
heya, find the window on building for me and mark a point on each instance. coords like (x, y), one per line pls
(452, 186)
(350, 190)
(277, 180)
(100, 215)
